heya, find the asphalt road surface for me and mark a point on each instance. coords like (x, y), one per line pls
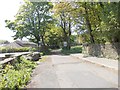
(60, 71)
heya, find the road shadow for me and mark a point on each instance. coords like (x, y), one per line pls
(58, 52)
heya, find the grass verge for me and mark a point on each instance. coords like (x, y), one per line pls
(43, 59)
(74, 49)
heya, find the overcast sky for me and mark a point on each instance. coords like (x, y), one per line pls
(8, 9)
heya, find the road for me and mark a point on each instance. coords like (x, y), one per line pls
(60, 71)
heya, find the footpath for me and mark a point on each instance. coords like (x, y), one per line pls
(108, 63)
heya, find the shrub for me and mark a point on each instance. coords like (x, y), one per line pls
(16, 75)
(48, 52)
(22, 49)
(74, 49)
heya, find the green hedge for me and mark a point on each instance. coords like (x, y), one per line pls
(74, 49)
(17, 75)
(9, 50)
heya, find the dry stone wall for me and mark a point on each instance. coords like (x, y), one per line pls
(111, 51)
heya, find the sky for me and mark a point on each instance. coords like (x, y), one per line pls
(8, 9)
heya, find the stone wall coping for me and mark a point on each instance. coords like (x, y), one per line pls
(13, 58)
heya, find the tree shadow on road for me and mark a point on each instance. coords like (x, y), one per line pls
(64, 52)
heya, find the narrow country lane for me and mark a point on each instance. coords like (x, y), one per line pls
(75, 73)
(61, 71)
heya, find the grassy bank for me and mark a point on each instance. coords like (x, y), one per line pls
(16, 75)
(74, 49)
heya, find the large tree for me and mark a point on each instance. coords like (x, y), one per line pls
(63, 11)
(32, 20)
(100, 21)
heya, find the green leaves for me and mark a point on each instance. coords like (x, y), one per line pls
(93, 19)
(103, 18)
(53, 36)
(31, 20)
(17, 75)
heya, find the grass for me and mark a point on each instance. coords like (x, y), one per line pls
(74, 49)
(43, 59)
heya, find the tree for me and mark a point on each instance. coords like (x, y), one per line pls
(63, 12)
(101, 21)
(32, 20)
(95, 22)
(54, 36)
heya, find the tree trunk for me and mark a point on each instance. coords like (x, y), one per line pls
(43, 42)
(89, 25)
(63, 26)
(69, 34)
(44, 48)
(119, 13)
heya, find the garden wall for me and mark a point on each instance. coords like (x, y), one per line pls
(111, 51)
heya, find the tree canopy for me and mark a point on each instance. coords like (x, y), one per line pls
(54, 23)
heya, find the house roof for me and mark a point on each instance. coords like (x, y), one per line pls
(24, 43)
(18, 44)
(13, 45)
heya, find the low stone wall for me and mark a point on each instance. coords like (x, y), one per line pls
(13, 56)
(111, 51)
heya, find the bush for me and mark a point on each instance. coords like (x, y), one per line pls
(45, 50)
(74, 49)
(41, 53)
(22, 49)
(16, 75)
(48, 52)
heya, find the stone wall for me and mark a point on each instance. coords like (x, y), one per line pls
(104, 50)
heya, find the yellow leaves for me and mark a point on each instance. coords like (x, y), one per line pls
(96, 6)
(62, 7)
(108, 1)
(96, 0)
(81, 10)
(102, 23)
(28, 2)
